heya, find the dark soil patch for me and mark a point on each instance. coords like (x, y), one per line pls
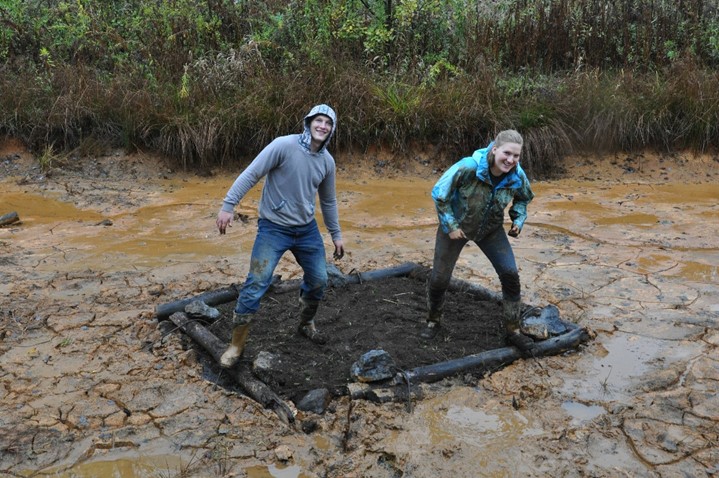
(386, 314)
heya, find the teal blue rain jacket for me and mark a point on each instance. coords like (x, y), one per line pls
(465, 198)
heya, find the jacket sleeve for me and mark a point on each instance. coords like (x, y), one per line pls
(445, 189)
(268, 158)
(523, 196)
(328, 204)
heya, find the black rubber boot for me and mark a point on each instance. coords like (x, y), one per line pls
(307, 327)
(512, 320)
(433, 320)
(431, 330)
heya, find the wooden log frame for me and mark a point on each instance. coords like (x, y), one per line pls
(405, 384)
(241, 373)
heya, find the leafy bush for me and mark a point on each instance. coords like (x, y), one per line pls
(209, 82)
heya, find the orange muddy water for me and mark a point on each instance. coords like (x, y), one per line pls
(91, 387)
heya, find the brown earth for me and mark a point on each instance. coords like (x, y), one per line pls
(92, 385)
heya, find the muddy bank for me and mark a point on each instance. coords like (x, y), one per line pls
(91, 385)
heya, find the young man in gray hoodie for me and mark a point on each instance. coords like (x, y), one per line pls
(297, 167)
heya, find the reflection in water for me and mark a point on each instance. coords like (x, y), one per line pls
(274, 471)
(582, 413)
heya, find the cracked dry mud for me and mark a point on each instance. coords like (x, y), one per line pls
(91, 386)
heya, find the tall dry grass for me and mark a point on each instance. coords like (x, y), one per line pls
(211, 83)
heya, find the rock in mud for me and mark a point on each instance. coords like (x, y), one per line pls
(373, 366)
(316, 401)
(543, 323)
(265, 366)
(198, 309)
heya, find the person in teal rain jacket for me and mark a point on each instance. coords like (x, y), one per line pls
(470, 199)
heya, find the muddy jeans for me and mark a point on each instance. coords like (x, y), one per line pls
(495, 246)
(272, 241)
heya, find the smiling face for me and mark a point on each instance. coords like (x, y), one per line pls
(506, 157)
(320, 129)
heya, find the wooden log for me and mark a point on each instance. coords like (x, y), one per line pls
(229, 294)
(476, 290)
(493, 359)
(241, 373)
(9, 218)
(405, 386)
(338, 279)
(385, 393)
(401, 270)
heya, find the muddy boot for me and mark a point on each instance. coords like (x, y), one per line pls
(511, 318)
(431, 330)
(237, 345)
(433, 317)
(307, 327)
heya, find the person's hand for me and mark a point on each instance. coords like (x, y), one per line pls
(513, 231)
(457, 234)
(224, 219)
(339, 250)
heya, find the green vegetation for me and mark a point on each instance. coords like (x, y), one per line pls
(210, 82)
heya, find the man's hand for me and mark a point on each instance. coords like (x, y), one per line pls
(457, 234)
(224, 219)
(513, 231)
(339, 250)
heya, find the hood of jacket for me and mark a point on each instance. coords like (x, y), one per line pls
(306, 136)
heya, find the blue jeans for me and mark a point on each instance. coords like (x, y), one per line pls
(272, 241)
(494, 245)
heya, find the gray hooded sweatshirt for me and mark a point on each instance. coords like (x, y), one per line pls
(294, 177)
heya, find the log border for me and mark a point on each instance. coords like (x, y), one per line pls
(405, 384)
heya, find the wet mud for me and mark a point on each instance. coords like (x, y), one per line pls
(93, 386)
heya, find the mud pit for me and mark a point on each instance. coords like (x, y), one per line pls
(90, 386)
(385, 314)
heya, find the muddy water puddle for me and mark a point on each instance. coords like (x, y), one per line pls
(179, 225)
(139, 467)
(581, 413)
